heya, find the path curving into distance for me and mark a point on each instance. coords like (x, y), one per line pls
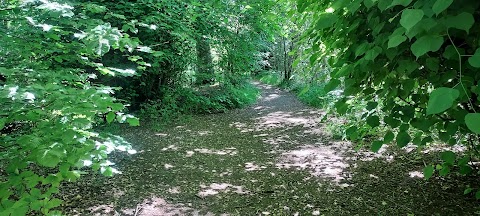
(272, 158)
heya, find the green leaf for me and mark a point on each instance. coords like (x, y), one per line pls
(332, 85)
(474, 61)
(373, 53)
(110, 117)
(3, 121)
(444, 171)
(373, 121)
(426, 44)
(441, 5)
(403, 138)
(49, 160)
(107, 171)
(448, 157)
(304, 90)
(472, 120)
(369, 3)
(341, 106)
(361, 49)
(428, 172)
(133, 121)
(477, 195)
(410, 18)
(389, 137)
(433, 64)
(465, 170)
(352, 132)
(467, 191)
(396, 40)
(463, 21)
(371, 105)
(384, 4)
(326, 20)
(400, 2)
(376, 146)
(53, 203)
(441, 99)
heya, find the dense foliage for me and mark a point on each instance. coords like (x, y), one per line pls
(58, 60)
(50, 102)
(414, 63)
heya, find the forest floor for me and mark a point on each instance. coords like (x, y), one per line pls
(272, 158)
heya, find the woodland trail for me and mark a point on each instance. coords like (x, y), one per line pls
(272, 158)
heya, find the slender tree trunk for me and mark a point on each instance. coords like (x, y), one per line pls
(285, 61)
(205, 70)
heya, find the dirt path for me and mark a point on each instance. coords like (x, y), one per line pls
(272, 158)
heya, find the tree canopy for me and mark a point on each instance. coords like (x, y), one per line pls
(404, 70)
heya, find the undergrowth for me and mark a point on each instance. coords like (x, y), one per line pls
(181, 102)
(270, 77)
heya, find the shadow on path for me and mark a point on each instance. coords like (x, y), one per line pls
(272, 158)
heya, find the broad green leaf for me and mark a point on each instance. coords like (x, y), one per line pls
(53, 203)
(474, 61)
(441, 99)
(352, 132)
(384, 4)
(389, 137)
(107, 171)
(3, 121)
(398, 31)
(373, 121)
(376, 146)
(444, 171)
(304, 90)
(400, 2)
(449, 157)
(110, 117)
(373, 53)
(36, 204)
(428, 172)
(433, 64)
(472, 120)
(369, 3)
(332, 85)
(133, 121)
(477, 195)
(49, 160)
(396, 40)
(403, 138)
(410, 17)
(361, 49)
(441, 5)
(326, 20)
(426, 44)
(344, 71)
(354, 6)
(465, 169)
(467, 191)
(463, 21)
(341, 106)
(371, 105)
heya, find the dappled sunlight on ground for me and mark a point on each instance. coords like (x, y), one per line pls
(321, 161)
(273, 158)
(217, 188)
(227, 151)
(160, 207)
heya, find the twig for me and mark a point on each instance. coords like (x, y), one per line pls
(137, 210)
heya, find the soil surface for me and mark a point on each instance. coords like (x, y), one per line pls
(272, 158)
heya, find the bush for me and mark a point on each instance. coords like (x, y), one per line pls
(181, 101)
